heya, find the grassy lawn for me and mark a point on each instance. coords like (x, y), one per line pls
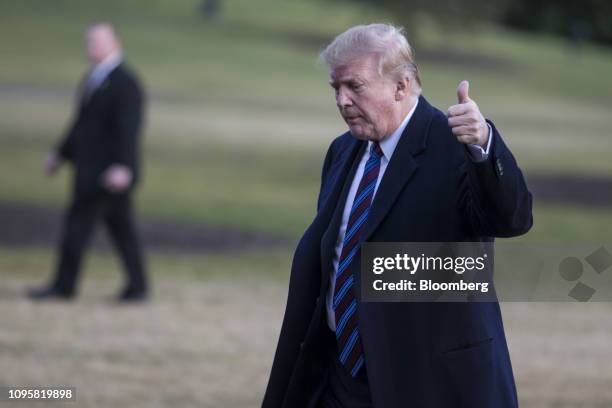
(239, 118)
(207, 338)
(240, 113)
(212, 319)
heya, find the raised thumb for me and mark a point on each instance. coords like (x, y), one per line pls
(462, 92)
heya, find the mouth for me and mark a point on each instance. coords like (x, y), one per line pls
(352, 119)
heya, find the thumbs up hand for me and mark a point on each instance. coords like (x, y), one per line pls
(465, 119)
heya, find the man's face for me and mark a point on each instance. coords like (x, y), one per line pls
(100, 43)
(366, 100)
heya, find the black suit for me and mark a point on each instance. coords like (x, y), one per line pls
(418, 355)
(105, 132)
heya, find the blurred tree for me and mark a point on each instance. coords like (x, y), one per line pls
(450, 14)
(576, 20)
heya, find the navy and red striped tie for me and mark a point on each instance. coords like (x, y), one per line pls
(344, 302)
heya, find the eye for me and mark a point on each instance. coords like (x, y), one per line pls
(357, 87)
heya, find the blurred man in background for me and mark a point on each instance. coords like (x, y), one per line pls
(103, 145)
(404, 172)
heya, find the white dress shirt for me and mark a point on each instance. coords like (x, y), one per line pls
(388, 147)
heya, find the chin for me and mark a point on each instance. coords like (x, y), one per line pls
(358, 133)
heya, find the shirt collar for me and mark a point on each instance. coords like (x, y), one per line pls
(102, 69)
(388, 144)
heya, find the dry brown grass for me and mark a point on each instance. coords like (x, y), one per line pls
(197, 344)
(209, 342)
(561, 353)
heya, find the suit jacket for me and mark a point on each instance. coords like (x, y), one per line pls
(418, 355)
(105, 130)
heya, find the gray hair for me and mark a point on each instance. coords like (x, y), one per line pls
(396, 57)
(105, 26)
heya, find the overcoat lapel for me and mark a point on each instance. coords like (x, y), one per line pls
(401, 167)
(347, 166)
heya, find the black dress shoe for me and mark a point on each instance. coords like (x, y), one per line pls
(133, 296)
(49, 293)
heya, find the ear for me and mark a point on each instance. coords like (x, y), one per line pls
(402, 87)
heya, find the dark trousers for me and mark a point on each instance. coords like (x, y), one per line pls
(84, 212)
(337, 388)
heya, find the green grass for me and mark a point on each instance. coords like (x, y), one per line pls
(569, 224)
(35, 265)
(240, 113)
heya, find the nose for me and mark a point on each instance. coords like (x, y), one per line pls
(342, 99)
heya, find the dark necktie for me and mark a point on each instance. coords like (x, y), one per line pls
(345, 303)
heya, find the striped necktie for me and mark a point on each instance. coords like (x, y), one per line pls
(345, 302)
